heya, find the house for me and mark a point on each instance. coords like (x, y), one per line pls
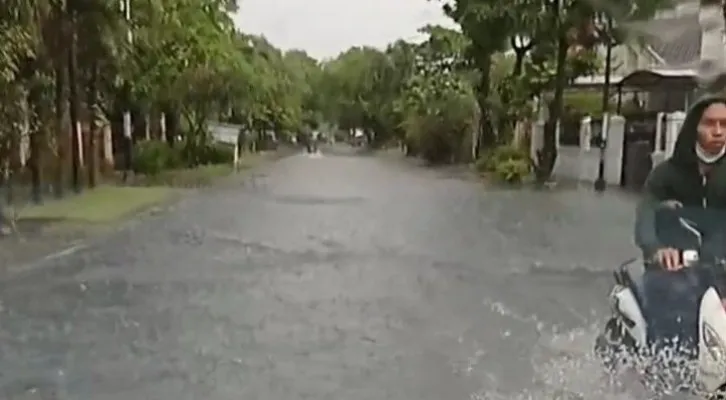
(671, 41)
(658, 61)
(672, 37)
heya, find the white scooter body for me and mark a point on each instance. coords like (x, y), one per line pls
(711, 361)
(711, 367)
(711, 342)
(712, 333)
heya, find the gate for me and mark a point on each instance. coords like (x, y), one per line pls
(638, 145)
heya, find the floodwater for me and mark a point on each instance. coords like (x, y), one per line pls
(335, 276)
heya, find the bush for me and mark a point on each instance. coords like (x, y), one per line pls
(513, 171)
(437, 138)
(217, 153)
(492, 158)
(482, 165)
(209, 154)
(507, 164)
(151, 157)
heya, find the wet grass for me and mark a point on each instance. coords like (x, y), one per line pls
(101, 205)
(116, 200)
(201, 176)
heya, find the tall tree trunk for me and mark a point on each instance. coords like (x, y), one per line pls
(172, 123)
(486, 137)
(37, 138)
(518, 62)
(147, 125)
(61, 134)
(14, 163)
(547, 156)
(74, 105)
(520, 51)
(93, 126)
(162, 127)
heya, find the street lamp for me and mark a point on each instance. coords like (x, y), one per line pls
(600, 183)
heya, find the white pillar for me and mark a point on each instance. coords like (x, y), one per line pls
(658, 155)
(674, 121)
(614, 150)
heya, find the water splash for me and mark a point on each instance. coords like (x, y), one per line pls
(567, 368)
(564, 364)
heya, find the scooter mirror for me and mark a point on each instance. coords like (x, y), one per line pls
(691, 227)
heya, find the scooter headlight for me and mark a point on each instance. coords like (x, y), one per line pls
(714, 346)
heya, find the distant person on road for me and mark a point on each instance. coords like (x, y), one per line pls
(315, 140)
(694, 176)
(304, 139)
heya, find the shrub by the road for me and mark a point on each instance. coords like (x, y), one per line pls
(152, 157)
(218, 153)
(506, 164)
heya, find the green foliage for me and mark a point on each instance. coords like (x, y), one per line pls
(206, 154)
(152, 157)
(188, 62)
(584, 102)
(183, 60)
(218, 153)
(490, 159)
(420, 94)
(438, 116)
(554, 42)
(513, 171)
(200, 176)
(506, 164)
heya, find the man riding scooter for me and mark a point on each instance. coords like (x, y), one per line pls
(694, 176)
(665, 309)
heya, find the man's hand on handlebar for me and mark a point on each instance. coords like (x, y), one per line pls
(669, 258)
(671, 204)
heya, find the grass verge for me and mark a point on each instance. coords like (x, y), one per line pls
(101, 205)
(201, 176)
(110, 203)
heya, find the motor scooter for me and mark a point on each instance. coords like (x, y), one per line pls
(669, 327)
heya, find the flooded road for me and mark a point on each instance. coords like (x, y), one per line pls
(333, 277)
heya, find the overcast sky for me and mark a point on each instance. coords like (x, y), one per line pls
(325, 28)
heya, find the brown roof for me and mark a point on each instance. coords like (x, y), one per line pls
(676, 40)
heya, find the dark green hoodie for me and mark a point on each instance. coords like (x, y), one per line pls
(678, 178)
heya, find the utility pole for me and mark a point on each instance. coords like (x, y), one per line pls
(128, 140)
(600, 183)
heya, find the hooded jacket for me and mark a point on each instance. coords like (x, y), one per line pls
(679, 178)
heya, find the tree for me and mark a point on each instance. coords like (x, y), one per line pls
(69, 66)
(439, 100)
(414, 93)
(553, 41)
(487, 24)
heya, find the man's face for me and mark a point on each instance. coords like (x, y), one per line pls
(712, 128)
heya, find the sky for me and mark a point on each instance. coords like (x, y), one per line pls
(325, 28)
